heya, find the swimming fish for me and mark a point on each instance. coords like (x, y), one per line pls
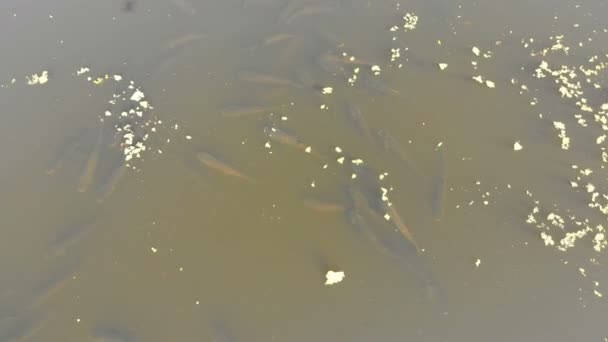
(215, 164)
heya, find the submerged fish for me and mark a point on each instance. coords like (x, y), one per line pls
(277, 38)
(308, 10)
(88, 174)
(438, 191)
(191, 171)
(71, 236)
(184, 40)
(284, 138)
(128, 6)
(379, 86)
(23, 327)
(390, 144)
(390, 242)
(218, 331)
(51, 286)
(368, 223)
(266, 79)
(110, 334)
(356, 116)
(63, 154)
(185, 6)
(213, 163)
(109, 186)
(330, 57)
(398, 221)
(245, 110)
(323, 206)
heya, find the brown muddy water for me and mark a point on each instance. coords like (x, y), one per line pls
(192, 170)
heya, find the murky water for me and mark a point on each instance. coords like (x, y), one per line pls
(190, 170)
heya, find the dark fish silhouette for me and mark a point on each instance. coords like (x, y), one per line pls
(215, 164)
(266, 79)
(88, 173)
(438, 191)
(356, 116)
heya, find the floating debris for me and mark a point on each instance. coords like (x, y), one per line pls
(548, 239)
(327, 90)
(376, 69)
(411, 21)
(517, 146)
(333, 277)
(137, 96)
(562, 134)
(82, 71)
(443, 66)
(395, 54)
(38, 79)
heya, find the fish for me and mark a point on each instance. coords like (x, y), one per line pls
(213, 163)
(184, 40)
(51, 286)
(390, 144)
(62, 155)
(267, 3)
(88, 174)
(296, 8)
(355, 219)
(191, 171)
(323, 206)
(438, 190)
(266, 79)
(185, 6)
(294, 48)
(365, 221)
(379, 86)
(111, 334)
(330, 57)
(24, 327)
(376, 224)
(358, 199)
(219, 331)
(356, 116)
(377, 207)
(245, 110)
(129, 6)
(277, 38)
(398, 221)
(272, 40)
(284, 138)
(109, 186)
(308, 10)
(390, 242)
(70, 237)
